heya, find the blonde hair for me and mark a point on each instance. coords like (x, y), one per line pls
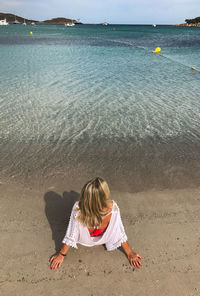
(94, 199)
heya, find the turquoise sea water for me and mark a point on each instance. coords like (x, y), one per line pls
(86, 101)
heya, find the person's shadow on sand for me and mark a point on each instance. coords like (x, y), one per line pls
(58, 209)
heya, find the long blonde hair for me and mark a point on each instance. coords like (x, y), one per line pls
(94, 199)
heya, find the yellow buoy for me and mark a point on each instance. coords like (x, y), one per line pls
(31, 33)
(157, 50)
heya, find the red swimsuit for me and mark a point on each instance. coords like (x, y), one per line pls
(97, 232)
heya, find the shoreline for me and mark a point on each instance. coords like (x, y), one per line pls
(176, 178)
(126, 168)
(161, 226)
(188, 25)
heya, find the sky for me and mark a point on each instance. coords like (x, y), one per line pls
(111, 11)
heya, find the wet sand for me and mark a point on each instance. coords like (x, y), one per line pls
(162, 226)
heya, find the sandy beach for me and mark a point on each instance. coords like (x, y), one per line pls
(162, 226)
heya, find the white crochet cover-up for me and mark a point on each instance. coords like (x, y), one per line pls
(78, 233)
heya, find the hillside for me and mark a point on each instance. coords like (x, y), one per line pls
(61, 20)
(12, 18)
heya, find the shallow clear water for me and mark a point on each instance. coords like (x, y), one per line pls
(81, 100)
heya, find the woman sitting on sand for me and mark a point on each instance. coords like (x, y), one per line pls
(95, 220)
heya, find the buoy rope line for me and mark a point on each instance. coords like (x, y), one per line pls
(142, 47)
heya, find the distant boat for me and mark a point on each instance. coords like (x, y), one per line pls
(33, 23)
(16, 22)
(105, 24)
(24, 23)
(69, 25)
(3, 22)
(154, 25)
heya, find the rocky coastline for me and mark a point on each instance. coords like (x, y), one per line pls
(188, 25)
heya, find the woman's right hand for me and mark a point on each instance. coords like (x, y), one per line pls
(56, 261)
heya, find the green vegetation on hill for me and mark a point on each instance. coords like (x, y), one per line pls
(196, 20)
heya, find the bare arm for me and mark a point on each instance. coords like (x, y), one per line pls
(133, 258)
(64, 249)
(127, 248)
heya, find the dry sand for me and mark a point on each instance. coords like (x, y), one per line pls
(162, 226)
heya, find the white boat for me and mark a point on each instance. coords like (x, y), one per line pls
(16, 22)
(24, 23)
(154, 25)
(69, 25)
(33, 24)
(105, 24)
(3, 22)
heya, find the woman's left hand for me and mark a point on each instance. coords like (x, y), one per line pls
(134, 260)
